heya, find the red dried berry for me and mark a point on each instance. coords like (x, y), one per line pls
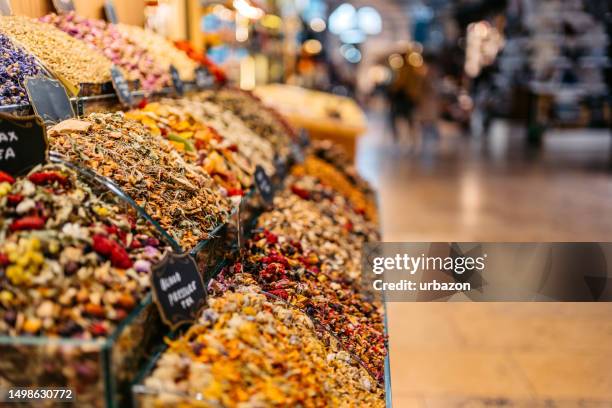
(107, 247)
(281, 293)
(270, 237)
(143, 102)
(6, 178)
(120, 258)
(98, 329)
(300, 192)
(235, 192)
(28, 223)
(102, 245)
(4, 260)
(14, 199)
(48, 177)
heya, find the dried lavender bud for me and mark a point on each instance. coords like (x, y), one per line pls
(15, 66)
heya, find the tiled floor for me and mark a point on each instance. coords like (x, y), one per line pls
(496, 354)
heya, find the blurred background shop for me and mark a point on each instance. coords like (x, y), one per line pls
(475, 120)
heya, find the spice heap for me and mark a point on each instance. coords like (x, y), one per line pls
(64, 55)
(15, 66)
(198, 143)
(251, 145)
(247, 350)
(331, 176)
(162, 50)
(70, 264)
(117, 47)
(333, 154)
(257, 117)
(308, 253)
(178, 195)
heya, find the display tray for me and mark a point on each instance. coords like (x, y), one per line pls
(98, 372)
(144, 396)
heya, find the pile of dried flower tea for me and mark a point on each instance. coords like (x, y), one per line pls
(179, 196)
(262, 120)
(308, 253)
(71, 265)
(116, 46)
(247, 350)
(335, 155)
(64, 55)
(15, 66)
(333, 177)
(198, 143)
(250, 145)
(162, 50)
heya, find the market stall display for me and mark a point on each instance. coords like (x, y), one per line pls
(322, 170)
(308, 253)
(324, 115)
(178, 195)
(65, 56)
(74, 278)
(260, 119)
(116, 46)
(15, 66)
(287, 320)
(164, 52)
(72, 265)
(251, 144)
(250, 350)
(198, 143)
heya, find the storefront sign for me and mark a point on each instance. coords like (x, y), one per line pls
(179, 86)
(110, 12)
(178, 289)
(23, 143)
(121, 86)
(49, 99)
(204, 79)
(264, 185)
(63, 6)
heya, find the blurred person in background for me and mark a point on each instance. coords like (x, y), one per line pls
(405, 93)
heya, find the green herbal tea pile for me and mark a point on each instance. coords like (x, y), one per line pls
(178, 195)
(261, 119)
(71, 265)
(249, 351)
(71, 58)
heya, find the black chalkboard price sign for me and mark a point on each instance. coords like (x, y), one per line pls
(23, 143)
(122, 87)
(178, 289)
(204, 79)
(110, 12)
(63, 6)
(179, 86)
(264, 185)
(49, 99)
